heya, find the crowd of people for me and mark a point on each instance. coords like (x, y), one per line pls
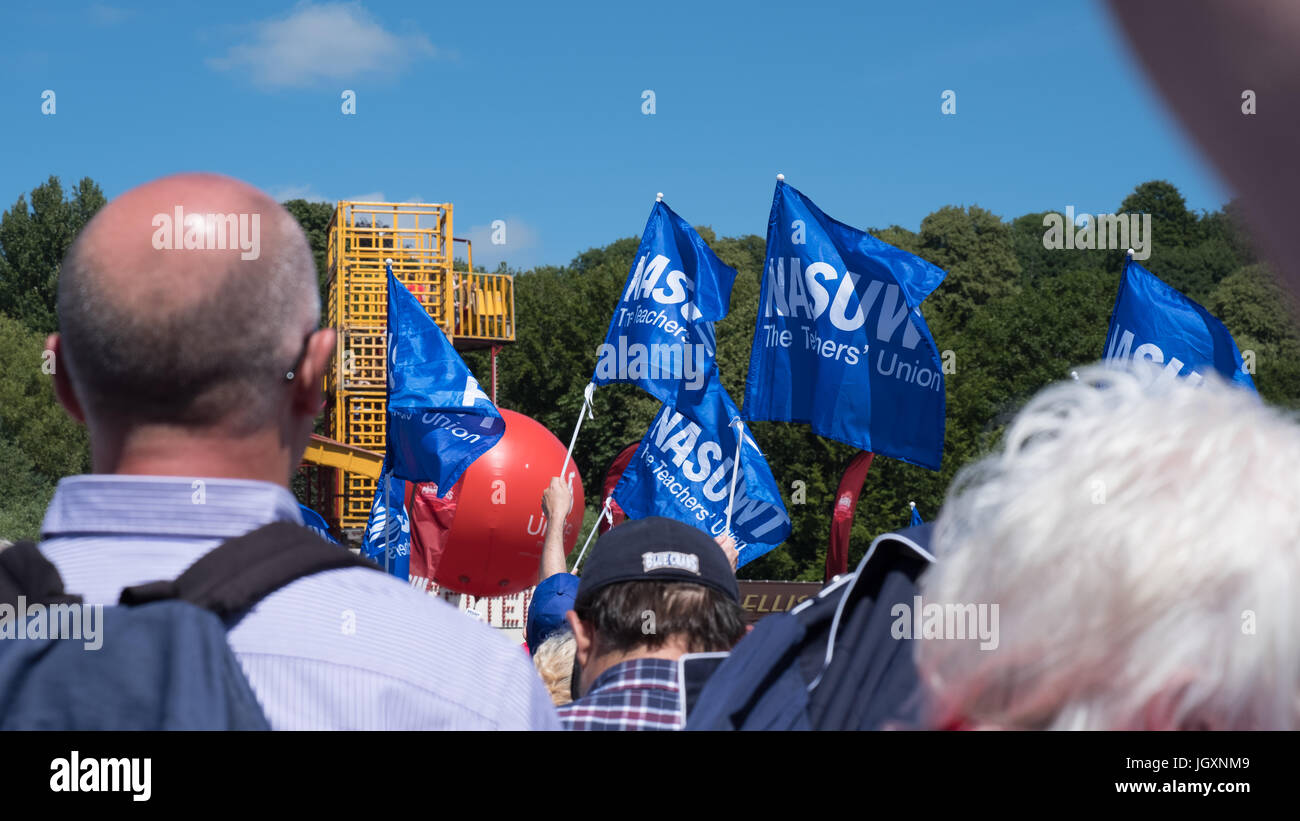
(1137, 535)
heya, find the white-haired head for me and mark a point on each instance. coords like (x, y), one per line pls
(1141, 539)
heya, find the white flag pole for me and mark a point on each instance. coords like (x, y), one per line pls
(604, 512)
(388, 520)
(735, 468)
(587, 394)
(388, 508)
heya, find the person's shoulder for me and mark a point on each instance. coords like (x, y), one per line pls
(375, 603)
(364, 619)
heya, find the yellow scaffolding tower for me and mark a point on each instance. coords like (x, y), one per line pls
(474, 309)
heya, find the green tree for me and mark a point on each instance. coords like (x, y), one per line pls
(1260, 313)
(1171, 221)
(1017, 316)
(976, 248)
(1039, 262)
(1190, 253)
(39, 443)
(32, 244)
(314, 217)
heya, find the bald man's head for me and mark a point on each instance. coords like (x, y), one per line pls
(192, 324)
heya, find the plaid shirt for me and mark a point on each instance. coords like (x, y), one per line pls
(641, 694)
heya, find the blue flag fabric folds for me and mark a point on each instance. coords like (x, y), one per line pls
(311, 519)
(840, 342)
(389, 527)
(682, 470)
(917, 521)
(439, 420)
(1155, 322)
(660, 337)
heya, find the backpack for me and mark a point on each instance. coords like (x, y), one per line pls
(163, 662)
(832, 663)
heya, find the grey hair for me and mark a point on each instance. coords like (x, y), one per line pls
(1141, 538)
(220, 359)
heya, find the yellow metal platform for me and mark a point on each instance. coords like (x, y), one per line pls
(331, 454)
(474, 309)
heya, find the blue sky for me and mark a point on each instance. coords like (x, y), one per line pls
(532, 112)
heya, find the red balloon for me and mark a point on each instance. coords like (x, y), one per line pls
(495, 545)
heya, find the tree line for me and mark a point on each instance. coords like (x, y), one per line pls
(1015, 314)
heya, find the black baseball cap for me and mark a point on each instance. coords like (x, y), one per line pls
(656, 549)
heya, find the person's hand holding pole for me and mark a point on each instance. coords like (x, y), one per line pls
(557, 501)
(728, 546)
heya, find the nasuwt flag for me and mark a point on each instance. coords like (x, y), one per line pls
(313, 521)
(660, 337)
(389, 528)
(916, 521)
(439, 420)
(1154, 322)
(683, 467)
(840, 342)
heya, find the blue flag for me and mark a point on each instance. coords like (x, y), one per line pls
(1154, 322)
(917, 521)
(682, 470)
(439, 420)
(661, 335)
(313, 520)
(389, 527)
(840, 342)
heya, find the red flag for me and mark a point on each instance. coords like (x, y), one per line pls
(612, 476)
(431, 520)
(846, 502)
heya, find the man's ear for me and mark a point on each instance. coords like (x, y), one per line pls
(62, 383)
(309, 381)
(582, 637)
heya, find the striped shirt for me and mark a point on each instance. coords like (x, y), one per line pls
(342, 649)
(641, 694)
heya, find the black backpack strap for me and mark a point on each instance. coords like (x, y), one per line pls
(236, 575)
(24, 571)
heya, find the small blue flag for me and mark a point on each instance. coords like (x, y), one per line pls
(840, 342)
(313, 520)
(439, 420)
(389, 527)
(661, 335)
(1154, 322)
(916, 517)
(682, 470)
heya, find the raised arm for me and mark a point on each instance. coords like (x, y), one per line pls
(557, 501)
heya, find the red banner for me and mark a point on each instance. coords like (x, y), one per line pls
(846, 502)
(431, 520)
(612, 476)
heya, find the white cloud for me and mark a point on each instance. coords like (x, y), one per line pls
(319, 43)
(520, 239)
